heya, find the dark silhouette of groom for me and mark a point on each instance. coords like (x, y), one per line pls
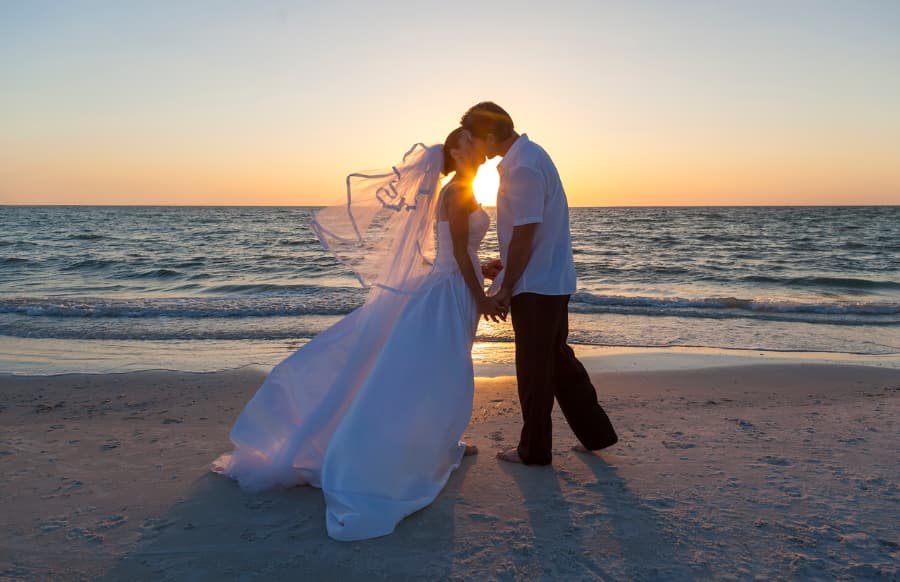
(535, 284)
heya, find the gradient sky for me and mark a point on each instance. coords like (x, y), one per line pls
(638, 102)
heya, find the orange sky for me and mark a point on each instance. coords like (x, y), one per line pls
(643, 103)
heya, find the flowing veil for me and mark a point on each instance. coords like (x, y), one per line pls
(384, 230)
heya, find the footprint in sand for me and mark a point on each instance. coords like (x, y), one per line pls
(791, 490)
(153, 527)
(84, 534)
(852, 440)
(744, 424)
(259, 504)
(671, 445)
(53, 525)
(677, 444)
(110, 522)
(864, 484)
(779, 461)
(482, 518)
(253, 535)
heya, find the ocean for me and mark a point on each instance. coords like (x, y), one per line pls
(103, 284)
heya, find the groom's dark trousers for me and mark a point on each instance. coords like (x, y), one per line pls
(546, 368)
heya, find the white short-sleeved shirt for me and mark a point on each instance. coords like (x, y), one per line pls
(531, 192)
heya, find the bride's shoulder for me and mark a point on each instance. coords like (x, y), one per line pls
(449, 195)
(456, 193)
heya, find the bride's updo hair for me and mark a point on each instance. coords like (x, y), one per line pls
(452, 142)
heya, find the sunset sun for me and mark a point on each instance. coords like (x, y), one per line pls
(487, 180)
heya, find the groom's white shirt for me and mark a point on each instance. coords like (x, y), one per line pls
(531, 192)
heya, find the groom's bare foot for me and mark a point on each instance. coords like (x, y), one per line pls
(470, 450)
(580, 448)
(510, 456)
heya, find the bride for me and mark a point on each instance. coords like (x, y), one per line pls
(372, 409)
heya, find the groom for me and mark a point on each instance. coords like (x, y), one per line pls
(535, 285)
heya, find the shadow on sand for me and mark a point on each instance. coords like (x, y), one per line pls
(597, 529)
(578, 524)
(220, 532)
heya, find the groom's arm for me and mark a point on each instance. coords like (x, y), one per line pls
(519, 254)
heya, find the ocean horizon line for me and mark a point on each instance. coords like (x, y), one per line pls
(54, 205)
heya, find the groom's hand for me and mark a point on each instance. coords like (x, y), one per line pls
(503, 297)
(491, 269)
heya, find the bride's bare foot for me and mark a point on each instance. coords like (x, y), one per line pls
(510, 456)
(470, 450)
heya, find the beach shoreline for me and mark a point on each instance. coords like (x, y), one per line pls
(725, 468)
(53, 357)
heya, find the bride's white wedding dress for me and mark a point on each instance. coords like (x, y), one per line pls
(371, 413)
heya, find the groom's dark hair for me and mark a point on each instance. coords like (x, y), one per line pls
(488, 117)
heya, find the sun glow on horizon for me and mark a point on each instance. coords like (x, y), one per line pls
(255, 104)
(486, 183)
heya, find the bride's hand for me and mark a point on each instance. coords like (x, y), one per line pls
(491, 310)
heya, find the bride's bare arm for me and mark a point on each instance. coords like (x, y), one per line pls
(458, 211)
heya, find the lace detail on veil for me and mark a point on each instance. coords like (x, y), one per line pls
(384, 231)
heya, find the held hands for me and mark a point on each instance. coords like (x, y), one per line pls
(491, 269)
(503, 298)
(491, 310)
(496, 307)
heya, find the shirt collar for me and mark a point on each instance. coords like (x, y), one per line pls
(512, 152)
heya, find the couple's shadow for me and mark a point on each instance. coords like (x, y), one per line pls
(579, 527)
(596, 529)
(220, 532)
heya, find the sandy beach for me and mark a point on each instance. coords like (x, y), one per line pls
(739, 470)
